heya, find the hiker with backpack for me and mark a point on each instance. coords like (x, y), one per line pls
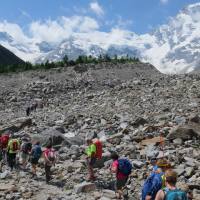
(170, 192)
(28, 111)
(91, 158)
(122, 168)
(1, 156)
(155, 181)
(25, 151)
(4, 143)
(12, 150)
(50, 160)
(36, 153)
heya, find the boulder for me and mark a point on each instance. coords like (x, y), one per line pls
(76, 140)
(137, 164)
(6, 187)
(17, 125)
(84, 187)
(108, 194)
(194, 118)
(178, 141)
(105, 157)
(189, 172)
(152, 141)
(182, 132)
(139, 121)
(50, 134)
(180, 170)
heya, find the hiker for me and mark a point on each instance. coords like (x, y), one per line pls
(170, 192)
(50, 160)
(1, 156)
(153, 162)
(122, 168)
(163, 166)
(25, 151)
(155, 181)
(33, 107)
(91, 158)
(4, 143)
(36, 153)
(12, 149)
(28, 111)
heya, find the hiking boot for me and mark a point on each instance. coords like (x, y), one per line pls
(34, 176)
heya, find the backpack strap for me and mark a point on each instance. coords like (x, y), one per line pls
(165, 190)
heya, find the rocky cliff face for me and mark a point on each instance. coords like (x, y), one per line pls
(8, 58)
(126, 106)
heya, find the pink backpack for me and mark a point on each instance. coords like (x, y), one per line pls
(51, 154)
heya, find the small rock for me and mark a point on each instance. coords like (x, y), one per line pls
(84, 187)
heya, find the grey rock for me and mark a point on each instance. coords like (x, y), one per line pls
(84, 187)
(137, 164)
(178, 141)
(183, 132)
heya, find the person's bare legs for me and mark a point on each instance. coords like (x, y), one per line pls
(90, 170)
(120, 194)
(34, 169)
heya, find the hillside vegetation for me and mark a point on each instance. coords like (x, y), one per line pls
(24, 66)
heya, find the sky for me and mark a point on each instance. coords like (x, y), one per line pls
(138, 16)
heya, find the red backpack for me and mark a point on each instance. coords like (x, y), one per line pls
(99, 148)
(4, 141)
(14, 145)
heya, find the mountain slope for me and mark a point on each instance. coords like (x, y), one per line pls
(8, 58)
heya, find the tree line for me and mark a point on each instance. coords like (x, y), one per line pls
(66, 62)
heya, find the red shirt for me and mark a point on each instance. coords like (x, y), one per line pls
(119, 175)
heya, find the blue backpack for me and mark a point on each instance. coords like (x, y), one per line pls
(175, 194)
(36, 152)
(124, 166)
(152, 185)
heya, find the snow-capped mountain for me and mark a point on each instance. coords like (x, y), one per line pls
(176, 47)
(24, 49)
(172, 48)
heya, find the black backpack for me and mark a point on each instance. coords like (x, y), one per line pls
(26, 147)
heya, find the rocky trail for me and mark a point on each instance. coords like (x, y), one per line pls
(127, 106)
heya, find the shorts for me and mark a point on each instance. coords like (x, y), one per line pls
(92, 162)
(34, 161)
(24, 156)
(120, 183)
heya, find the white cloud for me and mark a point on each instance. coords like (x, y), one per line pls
(14, 31)
(80, 10)
(25, 14)
(57, 30)
(24, 44)
(122, 23)
(164, 1)
(88, 25)
(96, 8)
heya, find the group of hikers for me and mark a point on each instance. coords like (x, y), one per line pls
(11, 146)
(159, 185)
